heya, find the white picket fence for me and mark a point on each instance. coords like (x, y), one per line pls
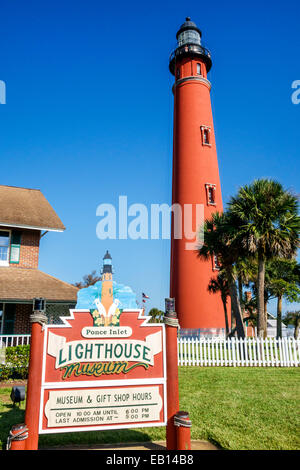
(207, 352)
(248, 352)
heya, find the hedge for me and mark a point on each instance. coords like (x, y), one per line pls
(16, 363)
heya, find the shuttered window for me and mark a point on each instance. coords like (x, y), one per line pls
(15, 247)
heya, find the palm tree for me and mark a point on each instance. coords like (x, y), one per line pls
(268, 227)
(156, 315)
(220, 284)
(218, 241)
(293, 318)
(245, 270)
(283, 282)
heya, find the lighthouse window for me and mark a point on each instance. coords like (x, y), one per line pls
(189, 37)
(211, 194)
(216, 264)
(206, 136)
(199, 69)
(205, 131)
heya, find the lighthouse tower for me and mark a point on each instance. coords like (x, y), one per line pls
(196, 179)
(107, 282)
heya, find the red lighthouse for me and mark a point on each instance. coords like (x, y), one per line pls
(196, 179)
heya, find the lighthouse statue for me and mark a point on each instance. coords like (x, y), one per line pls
(107, 306)
(196, 179)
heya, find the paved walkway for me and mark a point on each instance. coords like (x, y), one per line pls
(160, 445)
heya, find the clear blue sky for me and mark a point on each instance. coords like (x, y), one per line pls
(89, 114)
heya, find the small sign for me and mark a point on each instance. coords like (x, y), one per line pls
(103, 375)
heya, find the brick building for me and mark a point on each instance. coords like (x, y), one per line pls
(25, 217)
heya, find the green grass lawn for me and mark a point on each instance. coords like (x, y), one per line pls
(236, 408)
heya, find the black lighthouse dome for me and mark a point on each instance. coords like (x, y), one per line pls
(107, 255)
(107, 263)
(189, 45)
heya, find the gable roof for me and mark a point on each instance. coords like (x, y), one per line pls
(27, 208)
(25, 284)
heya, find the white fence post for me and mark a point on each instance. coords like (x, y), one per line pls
(234, 352)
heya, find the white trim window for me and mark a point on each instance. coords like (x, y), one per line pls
(4, 247)
(216, 264)
(210, 194)
(206, 135)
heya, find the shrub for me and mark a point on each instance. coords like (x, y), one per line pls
(16, 363)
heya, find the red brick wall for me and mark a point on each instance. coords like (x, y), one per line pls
(22, 324)
(29, 252)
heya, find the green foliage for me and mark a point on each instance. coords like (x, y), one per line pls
(293, 318)
(16, 363)
(267, 225)
(261, 224)
(88, 280)
(156, 315)
(268, 221)
(282, 279)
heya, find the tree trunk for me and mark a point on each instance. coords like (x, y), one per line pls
(265, 319)
(261, 298)
(297, 327)
(279, 317)
(233, 323)
(235, 304)
(240, 285)
(226, 316)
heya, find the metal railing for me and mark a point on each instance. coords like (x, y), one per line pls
(196, 48)
(14, 340)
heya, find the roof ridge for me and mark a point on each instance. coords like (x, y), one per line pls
(18, 187)
(56, 278)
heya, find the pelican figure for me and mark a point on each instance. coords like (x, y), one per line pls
(100, 308)
(112, 309)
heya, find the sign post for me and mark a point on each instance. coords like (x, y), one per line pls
(171, 322)
(38, 320)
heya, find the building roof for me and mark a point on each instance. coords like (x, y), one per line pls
(20, 284)
(27, 208)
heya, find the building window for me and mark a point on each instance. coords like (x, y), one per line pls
(178, 72)
(199, 69)
(9, 319)
(216, 264)
(15, 246)
(4, 247)
(1, 317)
(211, 194)
(206, 135)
